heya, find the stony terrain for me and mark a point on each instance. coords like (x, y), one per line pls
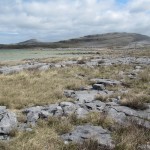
(110, 105)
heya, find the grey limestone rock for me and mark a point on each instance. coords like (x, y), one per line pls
(105, 82)
(8, 121)
(88, 132)
(81, 113)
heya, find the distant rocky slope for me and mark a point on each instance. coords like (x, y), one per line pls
(109, 40)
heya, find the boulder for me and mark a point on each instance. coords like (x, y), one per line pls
(32, 114)
(68, 108)
(8, 121)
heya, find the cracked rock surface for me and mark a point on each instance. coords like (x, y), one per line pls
(87, 132)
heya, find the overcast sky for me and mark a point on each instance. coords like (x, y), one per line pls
(53, 20)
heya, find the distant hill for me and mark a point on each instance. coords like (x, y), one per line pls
(108, 40)
(29, 42)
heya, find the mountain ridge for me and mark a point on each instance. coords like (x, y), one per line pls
(107, 40)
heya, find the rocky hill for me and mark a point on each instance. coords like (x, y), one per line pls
(108, 40)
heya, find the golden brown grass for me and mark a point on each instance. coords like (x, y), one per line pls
(95, 118)
(37, 88)
(31, 88)
(101, 98)
(60, 125)
(144, 76)
(39, 139)
(139, 53)
(44, 136)
(135, 101)
(129, 138)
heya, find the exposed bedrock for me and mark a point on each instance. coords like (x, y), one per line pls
(88, 132)
(90, 63)
(8, 123)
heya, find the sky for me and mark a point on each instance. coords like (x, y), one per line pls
(54, 20)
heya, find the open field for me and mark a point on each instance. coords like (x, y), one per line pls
(33, 87)
(17, 54)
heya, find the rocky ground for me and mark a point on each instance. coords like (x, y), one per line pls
(111, 110)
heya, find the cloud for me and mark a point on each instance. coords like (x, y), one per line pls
(50, 20)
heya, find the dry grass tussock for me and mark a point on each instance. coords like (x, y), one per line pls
(86, 145)
(144, 76)
(101, 98)
(130, 138)
(135, 101)
(95, 118)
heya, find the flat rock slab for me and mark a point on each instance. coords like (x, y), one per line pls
(86, 95)
(37, 112)
(105, 81)
(18, 68)
(88, 132)
(131, 112)
(125, 115)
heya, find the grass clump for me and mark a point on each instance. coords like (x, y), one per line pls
(13, 133)
(94, 118)
(4, 146)
(134, 101)
(92, 145)
(129, 138)
(60, 125)
(22, 118)
(101, 98)
(144, 76)
(86, 145)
